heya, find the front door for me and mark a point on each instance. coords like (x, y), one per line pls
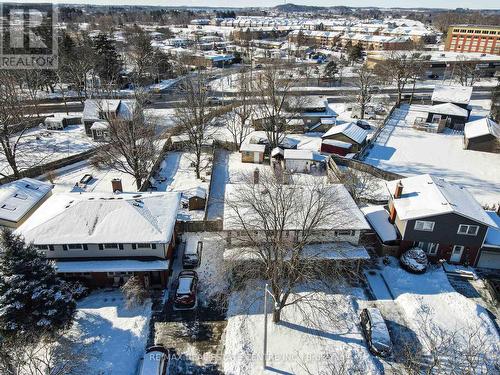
(436, 119)
(456, 254)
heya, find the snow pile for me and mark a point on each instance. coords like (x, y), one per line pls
(312, 337)
(431, 305)
(118, 336)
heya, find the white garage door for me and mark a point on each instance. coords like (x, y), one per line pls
(489, 259)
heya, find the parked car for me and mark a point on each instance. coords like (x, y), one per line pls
(213, 100)
(154, 362)
(363, 124)
(185, 294)
(414, 260)
(376, 332)
(192, 256)
(369, 113)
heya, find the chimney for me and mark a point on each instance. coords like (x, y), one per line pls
(116, 184)
(256, 175)
(399, 190)
(392, 214)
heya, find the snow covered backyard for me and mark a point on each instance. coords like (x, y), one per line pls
(118, 336)
(39, 146)
(315, 337)
(407, 151)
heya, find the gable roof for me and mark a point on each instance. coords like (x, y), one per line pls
(448, 109)
(426, 195)
(452, 94)
(350, 130)
(17, 198)
(483, 126)
(92, 107)
(103, 218)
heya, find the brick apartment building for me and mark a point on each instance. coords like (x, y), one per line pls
(473, 38)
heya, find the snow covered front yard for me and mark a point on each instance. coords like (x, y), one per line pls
(402, 149)
(117, 336)
(437, 314)
(318, 337)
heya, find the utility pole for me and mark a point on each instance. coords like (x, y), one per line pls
(265, 328)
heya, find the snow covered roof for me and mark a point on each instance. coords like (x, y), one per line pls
(347, 214)
(378, 218)
(53, 120)
(103, 265)
(198, 191)
(100, 125)
(426, 195)
(493, 234)
(17, 198)
(483, 126)
(291, 154)
(448, 109)
(92, 107)
(312, 144)
(103, 218)
(252, 147)
(325, 251)
(350, 130)
(452, 94)
(276, 151)
(334, 142)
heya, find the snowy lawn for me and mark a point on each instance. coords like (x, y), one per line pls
(40, 146)
(177, 174)
(313, 338)
(407, 151)
(118, 336)
(432, 306)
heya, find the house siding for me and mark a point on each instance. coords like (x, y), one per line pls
(94, 252)
(445, 231)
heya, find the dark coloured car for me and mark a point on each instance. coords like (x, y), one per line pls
(375, 332)
(186, 288)
(192, 256)
(414, 260)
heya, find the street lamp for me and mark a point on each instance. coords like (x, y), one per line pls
(266, 292)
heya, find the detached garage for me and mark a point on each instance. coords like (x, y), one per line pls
(489, 256)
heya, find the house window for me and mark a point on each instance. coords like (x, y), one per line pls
(344, 233)
(143, 246)
(42, 247)
(111, 246)
(427, 226)
(469, 230)
(429, 247)
(75, 246)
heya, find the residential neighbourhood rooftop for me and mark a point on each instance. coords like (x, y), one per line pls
(426, 195)
(103, 218)
(452, 94)
(19, 197)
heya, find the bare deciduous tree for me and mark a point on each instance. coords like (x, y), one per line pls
(276, 103)
(195, 117)
(400, 68)
(238, 120)
(465, 71)
(15, 119)
(465, 350)
(364, 81)
(272, 225)
(52, 355)
(132, 144)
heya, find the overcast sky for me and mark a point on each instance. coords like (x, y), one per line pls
(489, 4)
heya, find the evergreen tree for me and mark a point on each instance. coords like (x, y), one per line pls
(33, 300)
(108, 63)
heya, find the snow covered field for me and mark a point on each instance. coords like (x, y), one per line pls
(309, 340)
(118, 336)
(40, 146)
(407, 151)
